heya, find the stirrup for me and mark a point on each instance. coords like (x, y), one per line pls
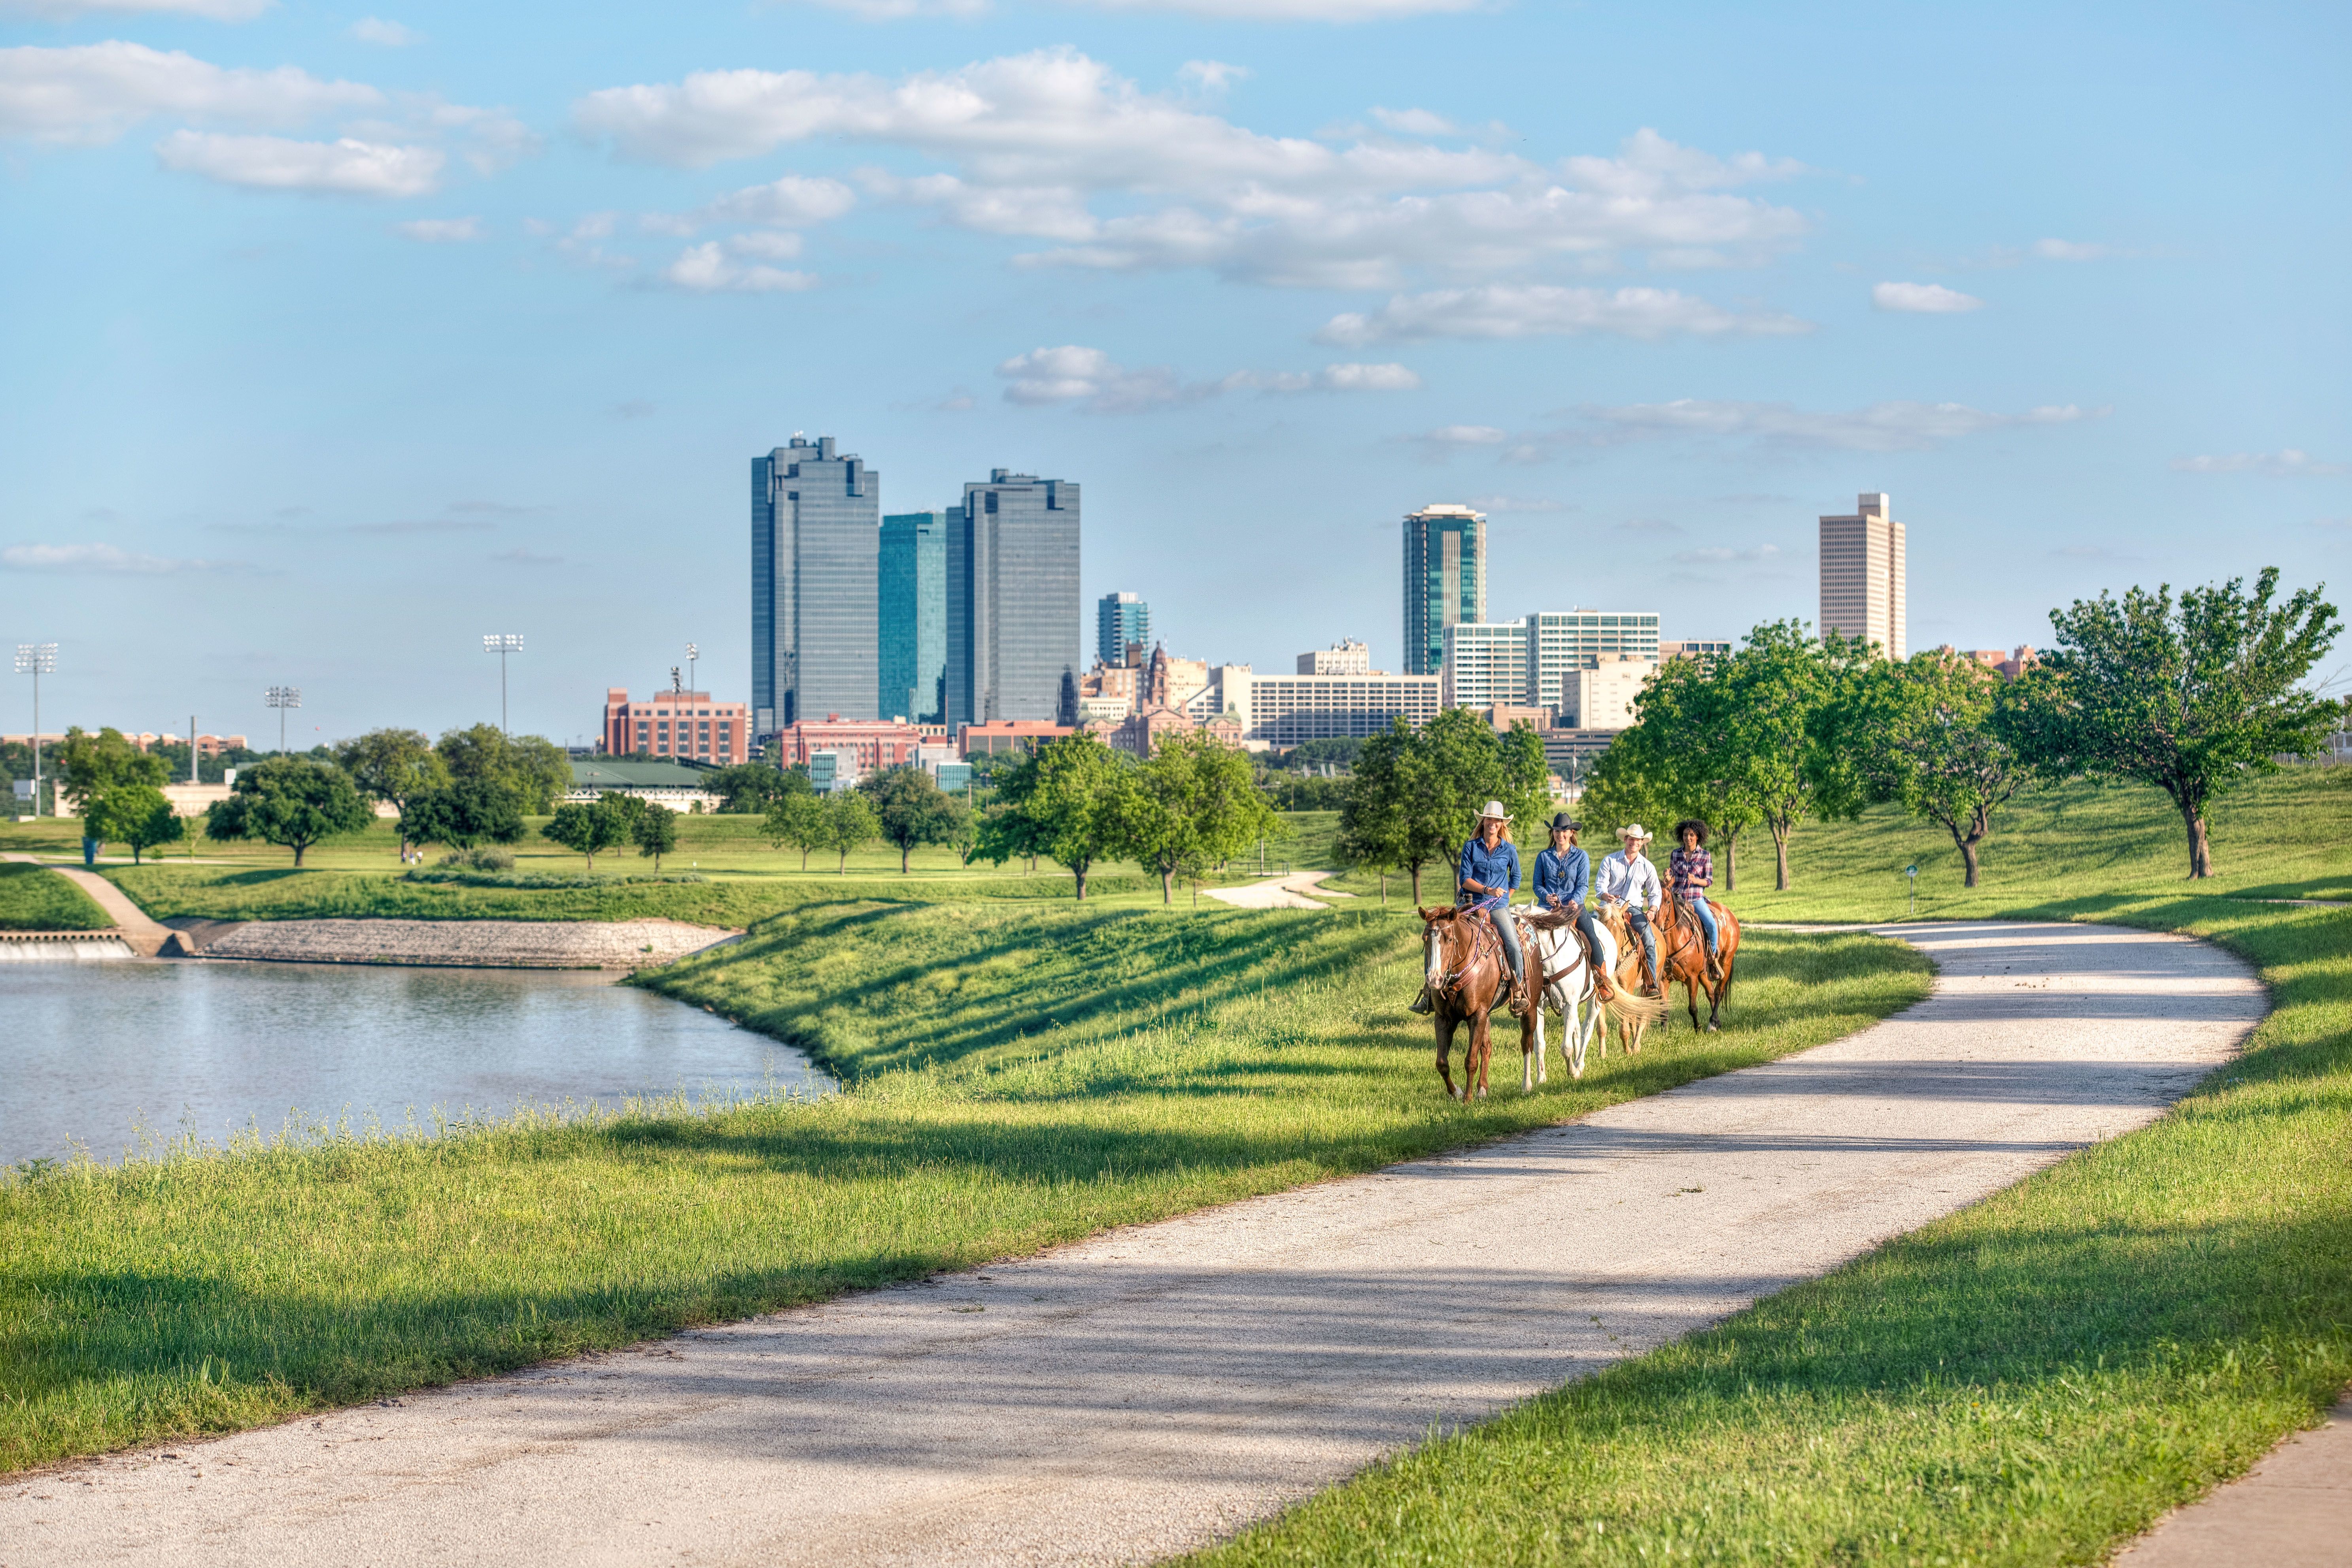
(1422, 1005)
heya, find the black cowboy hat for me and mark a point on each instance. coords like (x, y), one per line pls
(1691, 824)
(1565, 823)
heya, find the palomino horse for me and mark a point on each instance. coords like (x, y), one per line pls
(1634, 1011)
(1682, 955)
(1463, 964)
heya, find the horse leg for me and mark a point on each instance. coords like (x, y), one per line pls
(1444, 1022)
(1531, 1045)
(1481, 1049)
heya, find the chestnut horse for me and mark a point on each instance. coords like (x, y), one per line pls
(1634, 1010)
(1463, 964)
(1682, 955)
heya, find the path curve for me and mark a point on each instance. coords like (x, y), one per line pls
(144, 935)
(1279, 893)
(1156, 1387)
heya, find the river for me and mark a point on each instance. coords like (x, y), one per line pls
(89, 1052)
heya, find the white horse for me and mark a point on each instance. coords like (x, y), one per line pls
(1568, 987)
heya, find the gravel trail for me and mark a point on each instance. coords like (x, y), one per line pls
(1156, 1387)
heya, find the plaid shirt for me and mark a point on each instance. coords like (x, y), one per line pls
(1690, 872)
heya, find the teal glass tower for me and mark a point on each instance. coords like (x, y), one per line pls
(1121, 619)
(911, 606)
(1445, 581)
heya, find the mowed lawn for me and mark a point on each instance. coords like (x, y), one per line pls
(1019, 1074)
(2028, 1382)
(33, 898)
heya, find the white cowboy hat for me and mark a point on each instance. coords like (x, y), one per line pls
(1494, 809)
(1633, 830)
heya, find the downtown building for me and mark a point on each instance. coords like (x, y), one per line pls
(1280, 712)
(676, 723)
(1445, 580)
(1122, 629)
(1863, 576)
(815, 516)
(911, 625)
(1012, 610)
(1584, 667)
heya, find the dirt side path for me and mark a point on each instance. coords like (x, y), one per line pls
(1154, 1388)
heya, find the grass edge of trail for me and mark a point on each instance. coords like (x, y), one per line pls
(37, 898)
(2036, 1378)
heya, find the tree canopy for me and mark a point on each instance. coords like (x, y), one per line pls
(1066, 800)
(845, 823)
(391, 765)
(909, 810)
(88, 764)
(534, 767)
(1415, 796)
(463, 814)
(1930, 732)
(1194, 805)
(795, 820)
(655, 832)
(135, 815)
(591, 827)
(292, 802)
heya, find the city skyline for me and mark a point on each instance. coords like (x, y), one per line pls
(283, 412)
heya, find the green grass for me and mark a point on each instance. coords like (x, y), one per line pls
(33, 898)
(2030, 1380)
(1019, 1075)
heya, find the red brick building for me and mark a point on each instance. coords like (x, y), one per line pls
(684, 724)
(874, 742)
(1008, 735)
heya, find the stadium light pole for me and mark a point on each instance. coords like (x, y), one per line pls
(502, 643)
(282, 698)
(692, 653)
(36, 660)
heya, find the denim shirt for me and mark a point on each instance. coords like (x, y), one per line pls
(1496, 868)
(1561, 878)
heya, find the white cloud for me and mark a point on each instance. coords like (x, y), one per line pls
(345, 167)
(1465, 436)
(767, 243)
(1880, 427)
(1924, 299)
(1331, 378)
(1032, 141)
(789, 203)
(1516, 504)
(1415, 122)
(2285, 463)
(1714, 555)
(2071, 251)
(99, 558)
(210, 10)
(442, 230)
(93, 93)
(1210, 76)
(1092, 379)
(1526, 311)
(706, 269)
(385, 34)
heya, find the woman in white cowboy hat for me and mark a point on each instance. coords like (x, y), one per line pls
(1627, 877)
(1487, 877)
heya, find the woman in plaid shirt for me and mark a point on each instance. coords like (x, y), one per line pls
(1690, 871)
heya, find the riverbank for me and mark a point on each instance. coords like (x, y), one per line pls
(479, 944)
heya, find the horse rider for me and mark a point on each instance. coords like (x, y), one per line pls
(1563, 878)
(1485, 879)
(1690, 871)
(1628, 878)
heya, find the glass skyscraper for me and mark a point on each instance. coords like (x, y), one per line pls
(1121, 619)
(814, 516)
(1013, 601)
(911, 634)
(1445, 581)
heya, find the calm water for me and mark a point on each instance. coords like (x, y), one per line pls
(89, 1051)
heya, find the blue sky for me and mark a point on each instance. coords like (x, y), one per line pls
(336, 339)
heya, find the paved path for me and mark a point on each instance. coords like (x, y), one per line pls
(2291, 1511)
(143, 936)
(1156, 1387)
(1279, 893)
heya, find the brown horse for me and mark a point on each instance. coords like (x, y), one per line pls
(1682, 955)
(1635, 1008)
(1463, 964)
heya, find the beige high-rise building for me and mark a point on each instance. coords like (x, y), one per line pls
(1862, 576)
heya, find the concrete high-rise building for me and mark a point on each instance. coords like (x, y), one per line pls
(1561, 642)
(1013, 602)
(1121, 619)
(1862, 576)
(815, 517)
(1445, 580)
(1484, 663)
(911, 629)
(1348, 657)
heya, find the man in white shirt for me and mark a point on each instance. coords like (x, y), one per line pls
(1627, 877)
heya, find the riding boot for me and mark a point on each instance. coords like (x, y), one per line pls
(1421, 1004)
(1517, 1004)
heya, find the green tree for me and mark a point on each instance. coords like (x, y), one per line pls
(1066, 801)
(655, 832)
(1927, 732)
(292, 802)
(796, 821)
(1768, 724)
(909, 810)
(1396, 815)
(1195, 803)
(2194, 698)
(133, 814)
(848, 824)
(1680, 759)
(751, 788)
(88, 764)
(591, 827)
(392, 765)
(534, 767)
(463, 814)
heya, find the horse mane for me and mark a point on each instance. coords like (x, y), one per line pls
(1546, 920)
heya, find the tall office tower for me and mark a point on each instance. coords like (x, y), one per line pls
(1862, 576)
(813, 527)
(911, 627)
(1445, 581)
(1121, 619)
(1013, 601)
(1561, 642)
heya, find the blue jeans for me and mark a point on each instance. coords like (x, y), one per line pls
(1705, 916)
(1497, 912)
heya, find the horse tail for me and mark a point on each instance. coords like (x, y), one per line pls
(1640, 1008)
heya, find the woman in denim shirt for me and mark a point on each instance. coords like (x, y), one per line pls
(1563, 879)
(1486, 877)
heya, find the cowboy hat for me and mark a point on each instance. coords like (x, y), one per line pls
(1564, 823)
(1634, 830)
(1494, 809)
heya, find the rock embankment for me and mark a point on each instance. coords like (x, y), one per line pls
(489, 944)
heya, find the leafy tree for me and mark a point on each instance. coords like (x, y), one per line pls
(591, 827)
(848, 822)
(1394, 816)
(393, 765)
(1066, 800)
(88, 765)
(1926, 733)
(796, 821)
(292, 802)
(1194, 805)
(747, 788)
(2194, 699)
(909, 810)
(1767, 723)
(534, 767)
(1681, 759)
(133, 814)
(463, 814)
(655, 832)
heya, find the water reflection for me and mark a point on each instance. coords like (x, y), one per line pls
(89, 1051)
